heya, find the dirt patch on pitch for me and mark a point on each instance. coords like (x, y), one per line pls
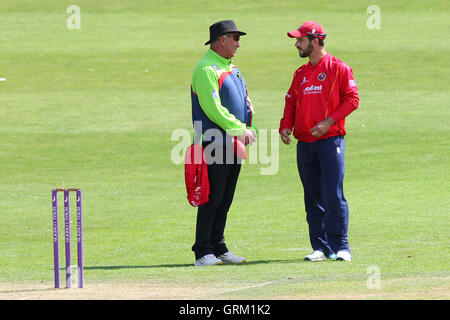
(106, 291)
(437, 289)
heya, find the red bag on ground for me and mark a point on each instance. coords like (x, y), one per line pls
(196, 175)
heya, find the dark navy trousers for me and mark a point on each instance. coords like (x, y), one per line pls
(321, 166)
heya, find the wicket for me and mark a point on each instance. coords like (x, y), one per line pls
(67, 236)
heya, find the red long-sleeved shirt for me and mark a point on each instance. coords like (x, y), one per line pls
(317, 92)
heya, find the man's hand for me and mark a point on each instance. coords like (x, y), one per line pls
(249, 137)
(285, 133)
(322, 127)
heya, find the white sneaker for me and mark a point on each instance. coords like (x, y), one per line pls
(316, 256)
(343, 256)
(229, 258)
(207, 260)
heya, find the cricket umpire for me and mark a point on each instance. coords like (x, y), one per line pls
(322, 94)
(220, 103)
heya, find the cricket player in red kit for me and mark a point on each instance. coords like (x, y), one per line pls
(322, 94)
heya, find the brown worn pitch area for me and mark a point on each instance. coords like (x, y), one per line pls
(180, 291)
(103, 291)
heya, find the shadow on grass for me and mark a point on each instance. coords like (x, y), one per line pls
(248, 263)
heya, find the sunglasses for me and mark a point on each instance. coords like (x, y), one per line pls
(317, 35)
(235, 37)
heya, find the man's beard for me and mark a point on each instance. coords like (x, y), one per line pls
(305, 53)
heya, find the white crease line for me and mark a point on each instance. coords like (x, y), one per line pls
(239, 289)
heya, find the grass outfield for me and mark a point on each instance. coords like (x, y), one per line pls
(95, 108)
